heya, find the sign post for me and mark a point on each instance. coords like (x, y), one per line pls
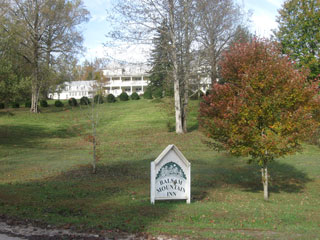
(170, 176)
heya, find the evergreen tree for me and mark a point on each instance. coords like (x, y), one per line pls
(160, 80)
(299, 33)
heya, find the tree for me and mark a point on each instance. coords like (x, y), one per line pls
(218, 24)
(14, 73)
(190, 26)
(299, 33)
(90, 70)
(138, 21)
(264, 110)
(160, 79)
(45, 30)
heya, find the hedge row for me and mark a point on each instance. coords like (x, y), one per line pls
(86, 101)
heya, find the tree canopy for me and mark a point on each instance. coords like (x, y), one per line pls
(45, 34)
(299, 33)
(161, 66)
(265, 108)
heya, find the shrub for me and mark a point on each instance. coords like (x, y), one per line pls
(84, 101)
(147, 94)
(15, 105)
(111, 98)
(43, 103)
(98, 99)
(2, 106)
(58, 103)
(135, 96)
(124, 96)
(158, 93)
(72, 102)
(27, 104)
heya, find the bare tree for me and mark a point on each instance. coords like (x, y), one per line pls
(217, 25)
(139, 21)
(193, 25)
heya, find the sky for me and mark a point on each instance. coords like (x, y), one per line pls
(263, 18)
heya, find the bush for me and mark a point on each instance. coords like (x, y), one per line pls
(84, 101)
(98, 99)
(58, 103)
(15, 105)
(72, 102)
(27, 104)
(158, 93)
(147, 94)
(2, 106)
(111, 98)
(124, 96)
(135, 96)
(43, 103)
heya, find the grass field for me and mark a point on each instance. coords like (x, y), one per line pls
(45, 175)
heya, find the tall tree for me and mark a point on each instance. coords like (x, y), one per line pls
(299, 33)
(139, 21)
(45, 29)
(14, 72)
(160, 78)
(218, 24)
(265, 108)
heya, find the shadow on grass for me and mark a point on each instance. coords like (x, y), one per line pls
(227, 172)
(29, 135)
(193, 127)
(6, 113)
(116, 198)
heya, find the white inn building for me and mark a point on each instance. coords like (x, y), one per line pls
(125, 80)
(115, 82)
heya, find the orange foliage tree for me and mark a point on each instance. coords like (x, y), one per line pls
(265, 108)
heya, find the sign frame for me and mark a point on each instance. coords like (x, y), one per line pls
(160, 162)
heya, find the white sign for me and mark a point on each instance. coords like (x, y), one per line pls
(170, 176)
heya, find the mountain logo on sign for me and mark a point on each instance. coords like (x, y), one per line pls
(171, 169)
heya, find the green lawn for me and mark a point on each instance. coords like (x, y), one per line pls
(45, 175)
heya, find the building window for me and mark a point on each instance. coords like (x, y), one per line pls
(138, 89)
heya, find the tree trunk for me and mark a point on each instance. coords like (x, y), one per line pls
(177, 104)
(187, 63)
(177, 96)
(213, 73)
(185, 106)
(35, 91)
(94, 143)
(35, 62)
(264, 174)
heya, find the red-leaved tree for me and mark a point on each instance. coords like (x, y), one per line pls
(265, 108)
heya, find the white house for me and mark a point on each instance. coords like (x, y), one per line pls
(115, 82)
(74, 89)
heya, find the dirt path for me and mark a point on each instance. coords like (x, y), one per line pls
(19, 230)
(29, 232)
(6, 237)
